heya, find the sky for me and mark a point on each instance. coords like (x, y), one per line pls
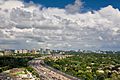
(60, 24)
(88, 4)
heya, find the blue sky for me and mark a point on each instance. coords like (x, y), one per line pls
(88, 4)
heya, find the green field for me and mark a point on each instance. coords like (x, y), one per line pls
(90, 66)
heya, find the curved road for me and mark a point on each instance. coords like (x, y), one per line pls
(47, 73)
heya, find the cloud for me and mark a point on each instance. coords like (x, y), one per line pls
(24, 25)
(6, 4)
(75, 7)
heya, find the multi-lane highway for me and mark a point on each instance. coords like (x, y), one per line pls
(47, 73)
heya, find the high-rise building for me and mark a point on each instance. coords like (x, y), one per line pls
(47, 51)
(41, 51)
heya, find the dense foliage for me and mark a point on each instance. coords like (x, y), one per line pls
(90, 66)
(9, 62)
(28, 55)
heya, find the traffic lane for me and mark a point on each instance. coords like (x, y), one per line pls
(49, 73)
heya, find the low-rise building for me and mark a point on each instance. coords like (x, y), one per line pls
(19, 51)
(62, 52)
(33, 51)
(8, 52)
(1, 53)
(24, 51)
(16, 51)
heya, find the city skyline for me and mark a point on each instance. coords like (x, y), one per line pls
(73, 25)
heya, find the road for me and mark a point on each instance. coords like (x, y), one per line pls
(47, 73)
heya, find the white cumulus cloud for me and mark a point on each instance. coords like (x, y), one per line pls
(27, 25)
(75, 7)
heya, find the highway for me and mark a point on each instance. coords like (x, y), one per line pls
(47, 73)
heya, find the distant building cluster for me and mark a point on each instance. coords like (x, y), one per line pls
(49, 51)
(24, 51)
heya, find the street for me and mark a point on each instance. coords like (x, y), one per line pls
(47, 73)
